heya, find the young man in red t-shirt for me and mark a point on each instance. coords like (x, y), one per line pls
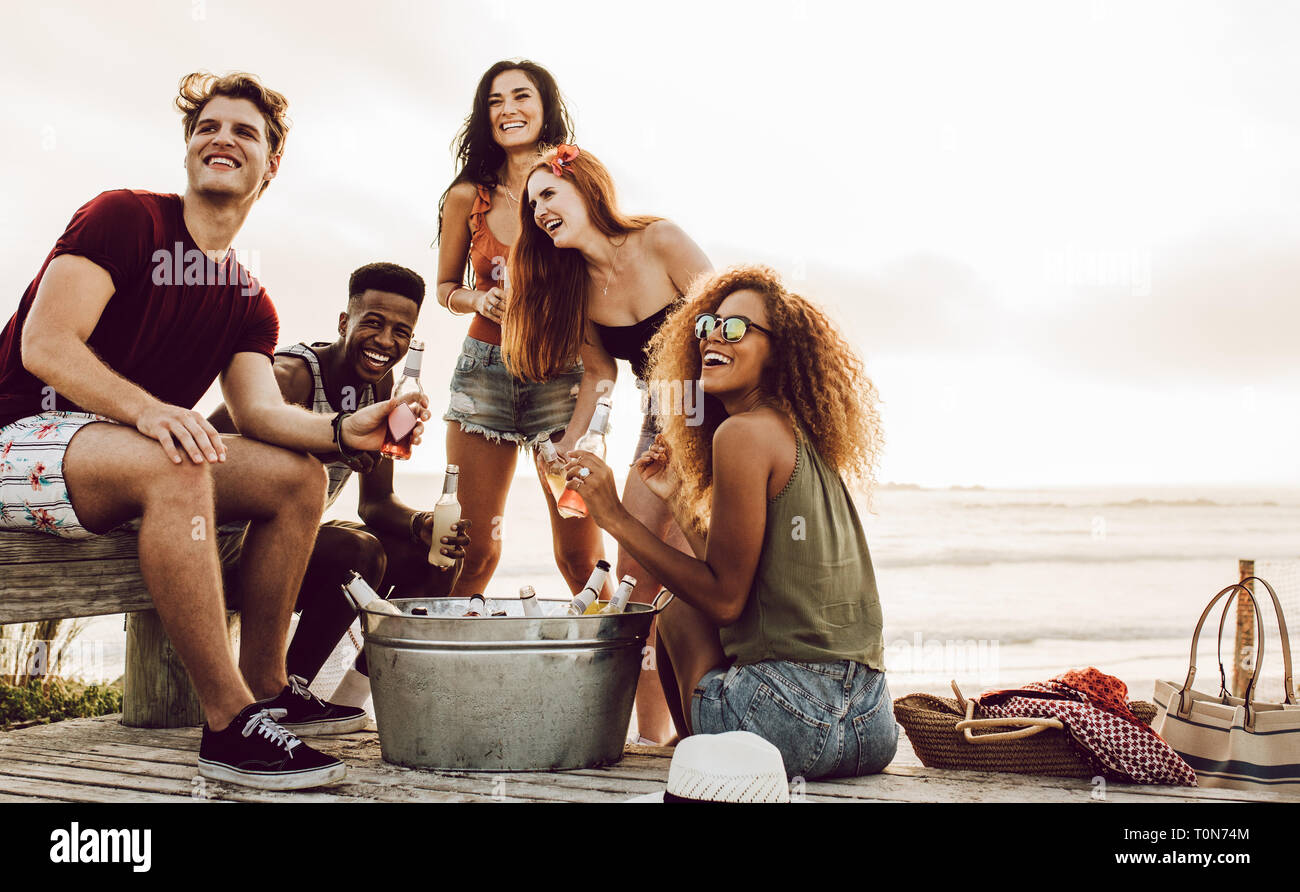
(138, 308)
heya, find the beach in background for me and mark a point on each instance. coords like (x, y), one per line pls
(997, 587)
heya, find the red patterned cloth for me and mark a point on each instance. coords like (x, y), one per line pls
(1093, 707)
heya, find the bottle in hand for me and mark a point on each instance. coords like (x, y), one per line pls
(584, 599)
(571, 504)
(446, 514)
(402, 421)
(552, 469)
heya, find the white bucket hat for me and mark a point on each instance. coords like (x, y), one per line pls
(735, 766)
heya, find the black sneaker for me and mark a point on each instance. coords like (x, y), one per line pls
(255, 751)
(308, 715)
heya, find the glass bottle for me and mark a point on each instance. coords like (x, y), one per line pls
(583, 600)
(402, 421)
(359, 594)
(622, 595)
(553, 470)
(446, 514)
(528, 600)
(593, 441)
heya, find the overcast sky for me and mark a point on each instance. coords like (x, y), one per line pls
(1062, 234)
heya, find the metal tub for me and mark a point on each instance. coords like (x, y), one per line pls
(510, 693)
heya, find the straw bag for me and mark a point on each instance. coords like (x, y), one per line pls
(1242, 743)
(945, 734)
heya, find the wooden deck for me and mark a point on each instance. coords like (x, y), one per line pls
(100, 760)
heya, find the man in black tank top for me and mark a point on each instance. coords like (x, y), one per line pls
(391, 545)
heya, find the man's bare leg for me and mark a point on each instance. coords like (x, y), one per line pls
(113, 474)
(282, 494)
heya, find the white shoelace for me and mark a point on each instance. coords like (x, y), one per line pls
(266, 724)
(298, 685)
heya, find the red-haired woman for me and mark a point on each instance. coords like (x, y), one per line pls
(590, 281)
(517, 108)
(776, 627)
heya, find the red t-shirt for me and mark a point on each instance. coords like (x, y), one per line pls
(175, 319)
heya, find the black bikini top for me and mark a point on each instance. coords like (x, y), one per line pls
(630, 341)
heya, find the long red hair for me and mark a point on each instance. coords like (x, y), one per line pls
(541, 335)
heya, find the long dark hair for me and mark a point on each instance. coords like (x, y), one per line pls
(478, 157)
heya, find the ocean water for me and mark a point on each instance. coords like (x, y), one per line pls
(994, 588)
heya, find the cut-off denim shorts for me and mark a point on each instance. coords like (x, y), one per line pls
(827, 719)
(486, 399)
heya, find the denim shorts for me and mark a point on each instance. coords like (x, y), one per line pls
(827, 719)
(486, 399)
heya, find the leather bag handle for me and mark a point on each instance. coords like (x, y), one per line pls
(1184, 700)
(1287, 677)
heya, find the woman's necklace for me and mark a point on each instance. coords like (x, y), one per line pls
(510, 195)
(613, 267)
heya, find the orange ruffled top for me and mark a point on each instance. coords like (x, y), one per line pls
(487, 255)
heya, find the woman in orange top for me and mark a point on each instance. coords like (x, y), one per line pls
(517, 108)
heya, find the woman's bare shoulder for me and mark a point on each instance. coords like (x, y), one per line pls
(759, 432)
(663, 237)
(460, 199)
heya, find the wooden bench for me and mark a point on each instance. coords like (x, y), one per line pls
(44, 577)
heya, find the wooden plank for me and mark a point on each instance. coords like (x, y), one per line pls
(154, 784)
(42, 548)
(143, 754)
(172, 754)
(75, 792)
(81, 588)
(45, 577)
(1038, 781)
(376, 781)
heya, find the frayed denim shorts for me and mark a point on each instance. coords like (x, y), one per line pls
(827, 719)
(486, 399)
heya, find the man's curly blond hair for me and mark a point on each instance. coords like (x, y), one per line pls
(813, 375)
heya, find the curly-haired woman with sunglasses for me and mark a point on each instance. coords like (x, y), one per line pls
(776, 627)
(590, 281)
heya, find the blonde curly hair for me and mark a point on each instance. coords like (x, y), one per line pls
(813, 375)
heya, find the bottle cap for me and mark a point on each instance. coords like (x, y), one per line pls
(604, 565)
(453, 469)
(527, 592)
(413, 357)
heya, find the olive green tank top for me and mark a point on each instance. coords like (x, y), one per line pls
(814, 594)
